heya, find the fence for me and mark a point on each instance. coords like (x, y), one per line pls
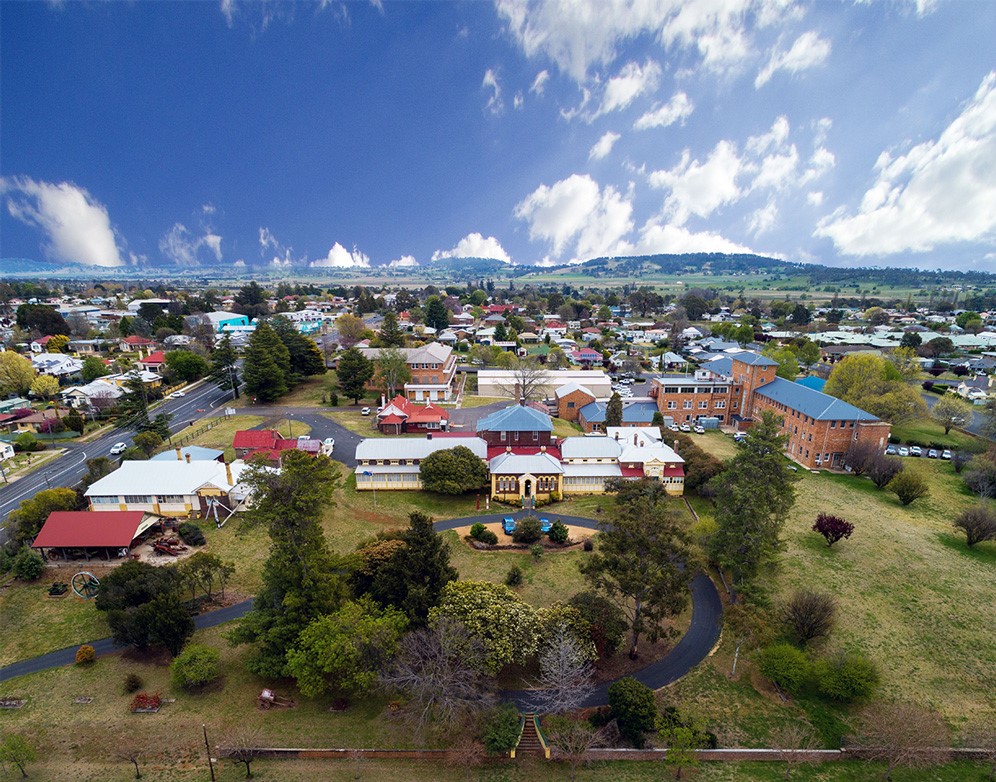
(187, 436)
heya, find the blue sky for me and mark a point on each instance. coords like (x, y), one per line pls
(359, 133)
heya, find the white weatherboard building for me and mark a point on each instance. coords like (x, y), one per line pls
(393, 462)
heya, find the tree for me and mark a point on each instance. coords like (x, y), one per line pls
(614, 410)
(700, 466)
(304, 357)
(566, 675)
(794, 743)
(134, 403)
(161, 621)
(528, 530)
(341, 653)
(833, 528)
(27, 565)
(185, 366)
(45, 387)
(299, 582)
(786, 666)
(391, 335)
(634, 709)
(14, 749)
(58, 344)
(753, 495)
(606, 621)
(911, 340)
(859, 455)
(903, 734)
(978, 523)
(988, 417)
(951, 411)
(195, 666)
(130, 749)
(909, 486)
(392, 370)
(506, 626)
(243, 746)
(26, 522)
(874, 384)
(639, 561)
(846, 677)
(201, 571)
(93, 368)
(501, 729)
(528, 380)
(147, 442)
(266, 365)
(353, 371)
(572, 738)
(788, 364)
(415, 575)
(501, 332)
(16, 374)
(251, 301)
(556, 359)
(453, 471)
(42, 319)
(882, 469)
(440, 670)
(436, 314)
(224, 372)
(683, 741)
(809, 615)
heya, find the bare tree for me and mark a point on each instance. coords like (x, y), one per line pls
(810, 615)
(572, 738)
(565, 680)
(882, 469)
(904, 734)
(130, 749)
(243, 747)
(440, 669)
(528, 380)
(859, 455)
(793, 742)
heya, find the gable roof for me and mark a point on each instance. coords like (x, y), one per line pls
(85, 529)
(808, 401)
(754, 359)
(256, 438)
(185, 478)
(632, 413)
(719, 366)
(590, 448)
(197, 453)
(415, 447)
(570, 388)
(517, 418)
(812, 381)
(519, 464)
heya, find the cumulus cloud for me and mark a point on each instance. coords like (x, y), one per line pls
(341, 258)
(495, 103)
(539, 83)
(603, 146)
(814, 198)
(821, 161)
(474, 245)
(632, 81)
(762, 220)
(577, 213)
(404, 262)
(267, 240)
(77, 227)
(183, 248)
(670, 238)
(808, 51)
(700, 188)
(940, 192)
(679, 108)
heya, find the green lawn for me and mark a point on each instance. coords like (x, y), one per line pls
(926, 432)
(349, 417)
(481, 401)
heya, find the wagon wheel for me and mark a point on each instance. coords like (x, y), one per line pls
(85, 584)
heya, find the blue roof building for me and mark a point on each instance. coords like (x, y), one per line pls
(517, 418)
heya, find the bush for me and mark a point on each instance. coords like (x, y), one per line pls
(846, 677)
(27, 442)
(634, 709)
(488, 537)
(27, 564)
(607, 621)
(588, 545)
(145, 700)
(528, 530)
(334, 399)
(501, 730)
(536, 550)
(514, 576)
(196, 666)
(909, 486)
(85, 655)
(810, 615)
(833, 528)
(784, 665)
(191, 534)
(476, 529)
(978, 523)
(133, 683)
(558, 532)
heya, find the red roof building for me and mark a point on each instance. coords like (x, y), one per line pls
(64, 530)
(268, 444)
(400, 415)
(153, 362)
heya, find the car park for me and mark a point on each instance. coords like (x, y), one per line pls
(932, 453)
(891, 450)
(118, 448)
(508, 525)
(685, 428)
(945, 454)
(177, 395)
(915, 450)
(698, 430)
(365, 411)
(904, 451)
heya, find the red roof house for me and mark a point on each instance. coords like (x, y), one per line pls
(401, 415)
(153, 362)
(87, 530)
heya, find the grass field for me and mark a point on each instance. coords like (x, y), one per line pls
(481, 401)
(349, 417)
(925, 432)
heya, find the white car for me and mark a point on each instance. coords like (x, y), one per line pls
(916, 451)
(177, 395)
(365, 411)
(945, 454)
(673, 427)
(685, 428)
(328, 444)
(118, 448)
(904, 451)
(698, 430)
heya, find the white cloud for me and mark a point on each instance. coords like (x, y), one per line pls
(576, 211)
(539, 83)
(474, 245)
(404, 262)
(341, 258)
(239, 264)
(762, 220)
(228, 11)
(939, 192)
(282, 263)
(821, 161)
(777, 170)
(181, 247)
(490, 82)
(267, 240)
(677, 109)
(700, 188)
(670, 238)
(76, 226)
(379, 5)
(808, 51)
(518, 100)
(208, 209)
(603, 146)
(814, 198)
(632, 81)
(771, 140)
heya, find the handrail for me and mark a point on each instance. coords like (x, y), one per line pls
(522, 727)
(542, 737)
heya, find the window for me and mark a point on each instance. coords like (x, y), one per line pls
(703, 405)
(170, 499)
(833, 425)
(535, 437)
(672, 405)
(104, 500)
(720, 405)
(137, 499)
(570, 405)
(687, 404)
(504, 436)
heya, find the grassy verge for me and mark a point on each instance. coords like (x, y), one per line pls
(35, 624)
(481, 401)
(350, 418)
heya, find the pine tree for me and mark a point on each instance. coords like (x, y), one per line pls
(353, 372)
(436, 314)
(223, 370)
(266, 365)
(614, 410)
(391, 335)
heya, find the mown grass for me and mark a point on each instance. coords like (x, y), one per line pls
(481, 401)
(349, 417)
(34, 624)
(925, 432)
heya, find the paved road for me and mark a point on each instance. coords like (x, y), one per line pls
(977, 418)
(68, 469)
(693, 648)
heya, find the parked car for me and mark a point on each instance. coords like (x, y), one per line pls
(118, 448)
(685, 428)
(329, 443)
(916, 450)
(933, 453)
(945, 454)
(545, 525)
(891, 450)
(177, 395)
(302, 437)
(698, 429)
(673, 427)
(904, 451)
(365, 411)
(508, 525)
(739, 437)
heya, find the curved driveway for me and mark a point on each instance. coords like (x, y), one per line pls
(693, 648)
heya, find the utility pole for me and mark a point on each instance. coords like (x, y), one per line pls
(208, 748)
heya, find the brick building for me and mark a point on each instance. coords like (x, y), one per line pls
(737, 388)
(570, 399)
(432, 368)
(518, 425)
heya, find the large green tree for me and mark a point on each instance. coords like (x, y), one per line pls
(25, 522)
(639, 562)
(41, 318)
(392, 370)
(266, 365)
(952, 411)
(185, 366)
(453, 471)
(436, 314)
(16, 374)
(224, 371)
(753, 495)
(614, 410)
(874, 384)
(300, 583)
(390, 333)
(353, 372)
(93, 367)
(304, 356)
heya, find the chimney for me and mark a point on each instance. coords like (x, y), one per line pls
(428, 436)
(676, 446)
(188, 458)
(228, 474)
(542, 449)
(635, 439)
(179, 458)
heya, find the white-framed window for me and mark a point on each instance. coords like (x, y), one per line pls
(687, 404)
(672, 405)
(104, 500)
(137, 499)
(704, 404)
(170, 499)
(720, 405)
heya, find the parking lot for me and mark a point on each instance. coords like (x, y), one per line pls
(917, 451)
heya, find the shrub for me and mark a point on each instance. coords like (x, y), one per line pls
(909, 486)
(558, 532)
(501, 730)
(514, 576)
(810, 615)
(27, 442)
(27, 564)
(85, 655)
(528, 530)
(634, 709)
(882, 469)
(196, 666)
(476, 529)
(607, 621)
(334, 399)
(144, 700)
(833, 528)
(555, 496)
(846, 677)
(191, 534)
(133, 683)
(784, 665)
(536, 550)
(488, 537)
(588, 545)
(978, 523)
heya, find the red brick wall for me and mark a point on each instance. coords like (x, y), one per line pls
(579, 398)
(517, 438)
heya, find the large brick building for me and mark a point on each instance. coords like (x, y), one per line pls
(736, 389)
(432, 368)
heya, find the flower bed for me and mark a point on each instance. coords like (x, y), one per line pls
(146, 703)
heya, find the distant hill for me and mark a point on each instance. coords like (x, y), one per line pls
(21, 266)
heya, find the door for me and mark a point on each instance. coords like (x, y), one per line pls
(527, 488)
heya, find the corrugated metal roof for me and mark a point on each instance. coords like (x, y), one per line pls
(86, 529)
(518, 464)
(813, 382)
(170, 477)
(415, 447)
(815, 404)
(755, 359)
(597, 470)
(197, 454)
(589, 448)
(643, 454)
(517, 418)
